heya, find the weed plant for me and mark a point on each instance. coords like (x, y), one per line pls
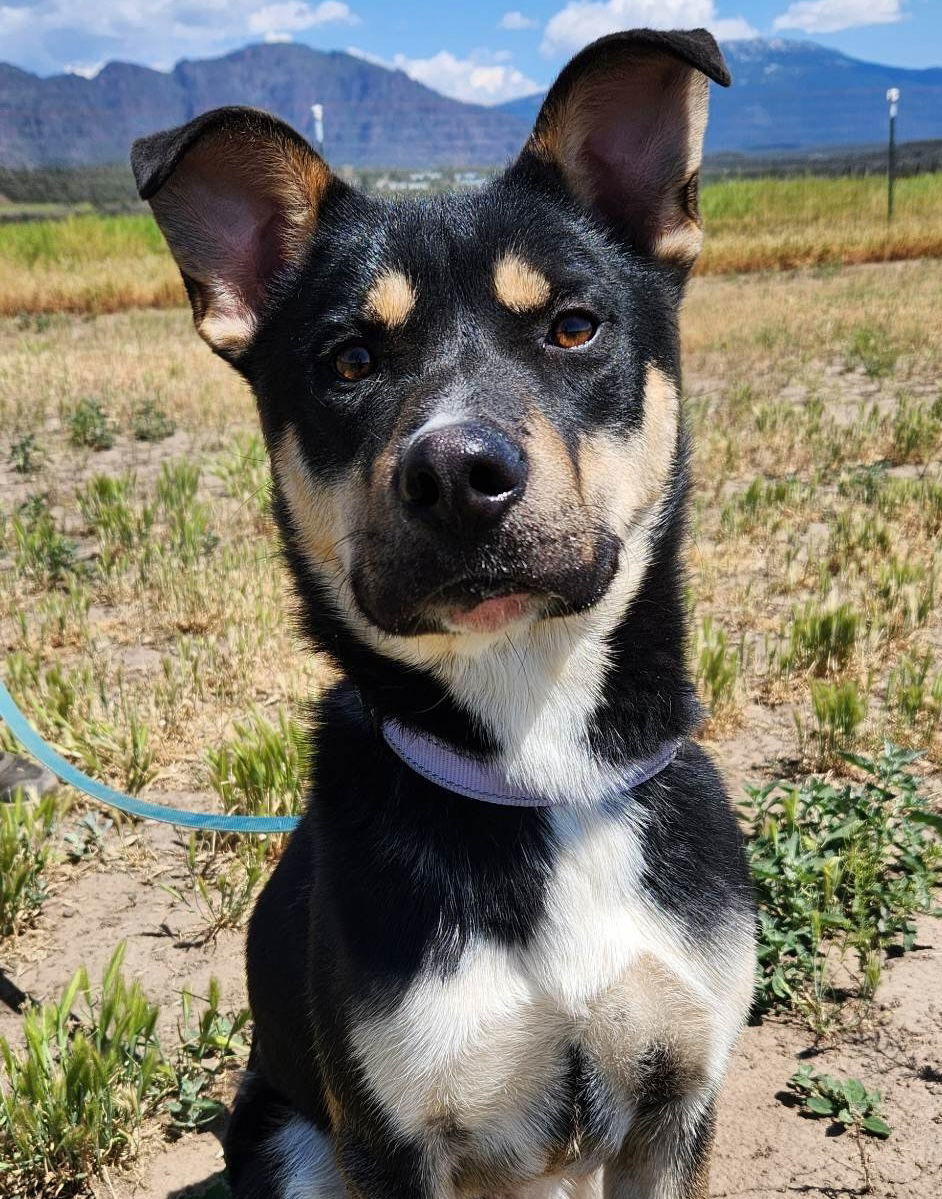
(840, 872)
(89, 426)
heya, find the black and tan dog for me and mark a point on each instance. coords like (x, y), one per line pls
(509, 948)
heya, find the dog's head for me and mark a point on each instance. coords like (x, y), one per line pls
(471, 401)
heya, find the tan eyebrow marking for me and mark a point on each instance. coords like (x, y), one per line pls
(391, 298)
(519, 286)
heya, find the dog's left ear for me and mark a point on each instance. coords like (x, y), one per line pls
(624, 123)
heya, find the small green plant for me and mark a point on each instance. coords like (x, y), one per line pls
(89, 426)
(872, 350)
(40, 551)
(845, 1101)
(220, 893)
(210, 1042)
(106, 503)
(717, 666)
(915, 695)
(26, 454)
(839, 710)
(763, 504)
(87, 839)
(245, 473)
(261, 770)
(916, 432)
(188, 520)
(821, 641)
(72, 1102)
(150, 423)
(25, 846)
(837, 870)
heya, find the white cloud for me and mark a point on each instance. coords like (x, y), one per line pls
(829, 16)
(582, 21)
(43, 35)
(295, 15)
(484, 77)
(517, 20)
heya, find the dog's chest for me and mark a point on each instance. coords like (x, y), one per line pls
(523, 1059)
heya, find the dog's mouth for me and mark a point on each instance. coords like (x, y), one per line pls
(407, 604)
(477, 605)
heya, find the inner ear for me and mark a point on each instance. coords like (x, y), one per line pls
(625, 123)
(633, 152)
(236, 194)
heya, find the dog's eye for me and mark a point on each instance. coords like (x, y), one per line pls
(572, 329)
(353, 362)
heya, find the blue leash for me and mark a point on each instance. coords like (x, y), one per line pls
(31, 741)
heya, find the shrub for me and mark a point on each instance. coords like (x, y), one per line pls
(89, 426)
(839, 868)
(150, 423)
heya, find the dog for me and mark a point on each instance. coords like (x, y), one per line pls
(510, 946)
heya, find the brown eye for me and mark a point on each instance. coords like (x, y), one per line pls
(353, 362)
(572, 329)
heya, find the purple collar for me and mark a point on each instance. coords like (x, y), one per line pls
(457, 772)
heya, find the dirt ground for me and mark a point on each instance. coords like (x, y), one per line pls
(138, 889)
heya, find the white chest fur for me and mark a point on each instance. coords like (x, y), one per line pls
(607, 971)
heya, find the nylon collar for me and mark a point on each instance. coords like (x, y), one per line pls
(458, 772)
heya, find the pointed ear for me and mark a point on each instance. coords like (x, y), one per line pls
(236, 194)
(624, 123)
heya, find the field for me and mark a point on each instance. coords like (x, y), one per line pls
(101, 264)
(147, 633)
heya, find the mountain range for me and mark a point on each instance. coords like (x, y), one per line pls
(787, 96)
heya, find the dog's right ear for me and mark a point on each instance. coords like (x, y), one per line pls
(624, 125)
(236, 194)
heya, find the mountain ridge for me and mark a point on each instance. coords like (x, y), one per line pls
(787, 96)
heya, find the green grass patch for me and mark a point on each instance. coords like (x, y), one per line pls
(25, 831)
(72, 1103)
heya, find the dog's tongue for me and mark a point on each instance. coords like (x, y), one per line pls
(492, 614)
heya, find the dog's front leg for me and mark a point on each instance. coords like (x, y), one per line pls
(666, 1155)
(389, 1169)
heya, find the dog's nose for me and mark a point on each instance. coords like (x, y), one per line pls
(462, 475)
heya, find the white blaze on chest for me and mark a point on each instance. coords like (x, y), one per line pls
(475, 1049)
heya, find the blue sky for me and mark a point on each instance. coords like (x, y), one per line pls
(487, 51)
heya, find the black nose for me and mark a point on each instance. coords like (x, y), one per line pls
(462, 476)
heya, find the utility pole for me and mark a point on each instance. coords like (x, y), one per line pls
(892, 98)
(317, 112)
